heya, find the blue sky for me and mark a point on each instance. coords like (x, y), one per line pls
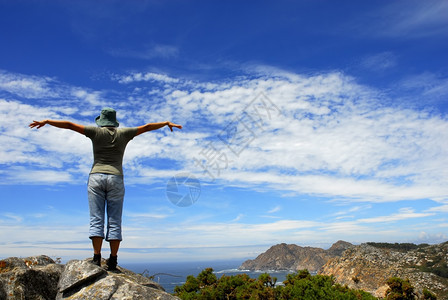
(305, 122)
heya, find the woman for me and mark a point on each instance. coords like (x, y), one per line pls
(106, 186)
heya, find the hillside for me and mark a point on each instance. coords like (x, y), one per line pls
(368, 266)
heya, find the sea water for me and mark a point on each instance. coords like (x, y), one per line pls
(170, 275)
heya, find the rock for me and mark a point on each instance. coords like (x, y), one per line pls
(83, 280)
(29, 278)
(293, 257)
(368, 268)
(39, 277)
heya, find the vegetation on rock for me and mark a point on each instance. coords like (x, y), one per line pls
(399, 289)
(398, 246)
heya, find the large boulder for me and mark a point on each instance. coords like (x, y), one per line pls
(39, 278)
(33, 277)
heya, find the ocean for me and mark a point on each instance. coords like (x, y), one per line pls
(170, 275)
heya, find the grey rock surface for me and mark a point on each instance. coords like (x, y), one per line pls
(77, 273)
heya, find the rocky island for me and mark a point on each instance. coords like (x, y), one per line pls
(292, 257)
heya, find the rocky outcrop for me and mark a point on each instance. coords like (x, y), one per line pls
(40, 278)
(368, 268)
(294, 257)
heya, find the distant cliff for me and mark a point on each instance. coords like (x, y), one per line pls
(39, 277)
(294, 257)
(368, 266)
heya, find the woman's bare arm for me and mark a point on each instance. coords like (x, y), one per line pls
(58, 124)
(154, 126)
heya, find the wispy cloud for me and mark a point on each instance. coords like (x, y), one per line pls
(350, 211)
(238, 218)
(417, 18)
(275, 209)
(439, 209)
(148, 52)
(432, 88)
(141, 216)
(11, 216)
(403, 214)
(379, 62)
(406, 19)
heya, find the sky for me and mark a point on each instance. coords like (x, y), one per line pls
(304, 122)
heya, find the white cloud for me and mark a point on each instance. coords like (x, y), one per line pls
(92, 98)
(137, 77)
(25, 86)
(24, 176)
(330, 136)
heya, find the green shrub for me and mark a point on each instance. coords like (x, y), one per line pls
(399, 289)
(304, 286)
(428, 295)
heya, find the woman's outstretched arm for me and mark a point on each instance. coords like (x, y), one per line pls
(58, 124)
(154, 126)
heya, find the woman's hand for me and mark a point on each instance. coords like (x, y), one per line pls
(38, 124)
(171, 125)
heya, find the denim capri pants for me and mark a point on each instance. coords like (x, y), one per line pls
(105, 194)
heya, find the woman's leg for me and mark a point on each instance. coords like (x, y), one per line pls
(97, 243)
(96, 196)
(115, 196)
(114, 245)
